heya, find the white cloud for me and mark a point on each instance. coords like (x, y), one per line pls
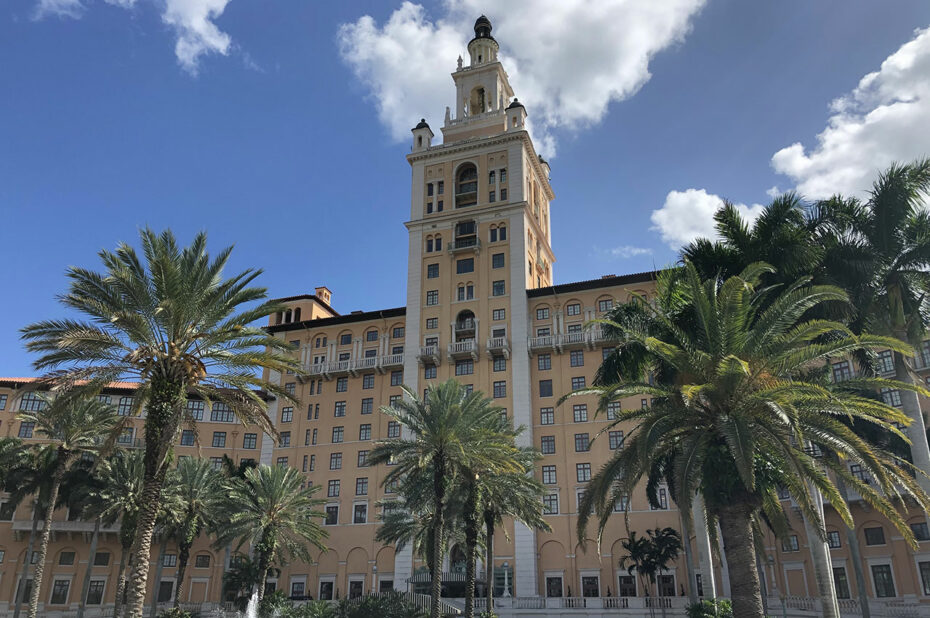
(59, 8)
(688, 215)
(773, 191)
(567, 59)
(626, 251)
(886, 118)
(191, 20)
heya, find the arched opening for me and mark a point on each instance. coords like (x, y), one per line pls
(466, 186)
(478, 103)
(465, 326)
(419, 141)
(466, 234)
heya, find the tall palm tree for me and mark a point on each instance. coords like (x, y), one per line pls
(118, 498)
(735, 422)
(170, 320)
(73, 426)
(11, 454)
(202, 495)
(879, 251)
(451, 432)
(275, 515)
(517, 495)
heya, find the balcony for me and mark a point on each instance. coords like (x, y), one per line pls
(316, 369)
(465, 326)
(429, 355)
(571, 340)
(463, 349)
(369, 363)
(498, 346)
(464, 244)
(391, 361)
(587, 338)
(543, 342)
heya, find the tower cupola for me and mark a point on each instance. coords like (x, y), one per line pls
(483, 48)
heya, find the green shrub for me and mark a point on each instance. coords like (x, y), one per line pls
(721, 608)
(176, 612)
(388, 605)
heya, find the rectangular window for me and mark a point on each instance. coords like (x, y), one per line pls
(95, 592)
(875, 536)
(500, 363)
(573, 309)
(548, 475)
(332, 488)
(921, 533)
(551, 504)
(463, 266)
(582, 443)
(662, 498)
(432, 298)
(393, 430)
(187, 437)
(290, 388)
(545, 388)
(790, 544)
(543, 332)
(60, 591)
(285, 439)
(312, 463)
(544, 362)
(840, 583)
(170, 560)
(885, 362)
(432, 271)
(583, 472)
(202, 561)
(313, 440)
(360, 514)
(627, 586)
(342, 384)
(307, 438)
(282, 462)
(841, 371)
(364, 432)
(883, 580)
(397, 377)
(66, 558)
(440, 187)
(429, 189)
(578, 383)
(195, 409)
(606, 352)
(622, 504)
(219, 439)
(547, 445)
(833, 539)
(332, 518)
(580, 412)
(432, 323)
(891, 397)
(429, 372)
(102, 558)
(577, 358)
(542, 313)
(547, 416)
(220, 413)
(924, 568)
(368, 381)
(498, 288)
(338, 433)
(464, 367)
(368, 405)
(340, 409)
(345, 339)
(125, 406)
(497, 260)
(362, 461)
(499, 314)
(361, 486)
(287, 414)
(615, 440)
(500, 389)
(605, 305)
(503, 197)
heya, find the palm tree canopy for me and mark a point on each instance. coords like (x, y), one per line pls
(75, 424)
(165, 318)
(271, 511)
(201, 494)
(736, 421)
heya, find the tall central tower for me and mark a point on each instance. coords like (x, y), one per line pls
(479, 238)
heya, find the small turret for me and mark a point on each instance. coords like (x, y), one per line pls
(483, 48)
(422, 136)
(516, 116)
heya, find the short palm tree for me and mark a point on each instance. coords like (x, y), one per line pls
(735, 422)
(650, 555)
(170, 320)
(73, 426)
(272, 512)
(452, 432)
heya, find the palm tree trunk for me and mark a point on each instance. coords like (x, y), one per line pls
(686, 529)
(738, 545)
(142, 546)
(917, 430)
(120, 582)
(439, 493)
(264, 563)
(85, 587)
(27, 561)
(489, 561)
(820, 556)
(46, 535)
(471, 542)
(855, 556)
(183, 556)
(159, 567)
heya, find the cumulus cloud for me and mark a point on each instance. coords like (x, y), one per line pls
(626, 251)
(191, 20)
(688, 215)
(577, 58)
(886, 118)
(59, 8)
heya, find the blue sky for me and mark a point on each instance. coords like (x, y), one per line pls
(274, 125)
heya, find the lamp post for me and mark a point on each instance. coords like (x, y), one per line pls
(506, 566)
(374, 579)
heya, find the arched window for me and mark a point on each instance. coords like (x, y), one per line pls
(466, 186)
(465, 326)
(297, 314)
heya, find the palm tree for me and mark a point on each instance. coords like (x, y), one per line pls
(517, 495)
(735, 422)
(171, 321)
(452, 432)
(11, 454)
(202, 495)
(650, 555)
(272, 512)
(118, 498)
(73, 426)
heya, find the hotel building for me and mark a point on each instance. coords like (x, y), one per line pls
(481, 307)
